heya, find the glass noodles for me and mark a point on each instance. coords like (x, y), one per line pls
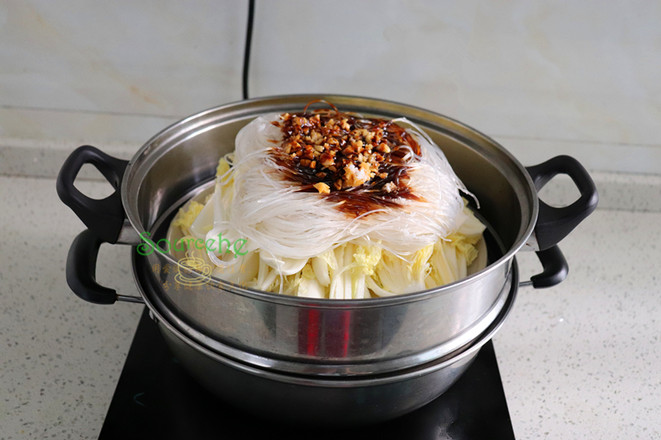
(326, 204)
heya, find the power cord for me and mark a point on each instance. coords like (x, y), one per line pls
(246, 53)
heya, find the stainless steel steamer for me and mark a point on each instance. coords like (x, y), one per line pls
(318, 338)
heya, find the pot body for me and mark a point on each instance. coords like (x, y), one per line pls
(317, 400)
(299, 335)
(333, 337)
(280, 398)
(353, 338)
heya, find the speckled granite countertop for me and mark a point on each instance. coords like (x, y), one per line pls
(580, 360)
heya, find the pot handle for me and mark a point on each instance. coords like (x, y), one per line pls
(106, 216)
(553, 224)
(81, 271)
(555, 269)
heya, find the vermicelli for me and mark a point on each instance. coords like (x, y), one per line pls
(376, 212)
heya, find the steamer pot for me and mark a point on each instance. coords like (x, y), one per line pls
(318, 337)
(337, 402)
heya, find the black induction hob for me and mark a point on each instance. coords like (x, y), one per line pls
(157, 399)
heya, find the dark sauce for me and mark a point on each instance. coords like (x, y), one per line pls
(388, 188)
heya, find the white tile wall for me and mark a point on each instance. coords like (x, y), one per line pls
(145, 58)
(543, 78)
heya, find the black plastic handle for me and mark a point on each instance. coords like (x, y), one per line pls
(555, 268)
(104, 217)
(553, 224)
(81, 269)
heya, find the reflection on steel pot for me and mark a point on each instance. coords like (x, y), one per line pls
(324, 338)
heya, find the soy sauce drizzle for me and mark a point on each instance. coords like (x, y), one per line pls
(360, 163)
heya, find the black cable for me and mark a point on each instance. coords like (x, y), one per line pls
(246, 53)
